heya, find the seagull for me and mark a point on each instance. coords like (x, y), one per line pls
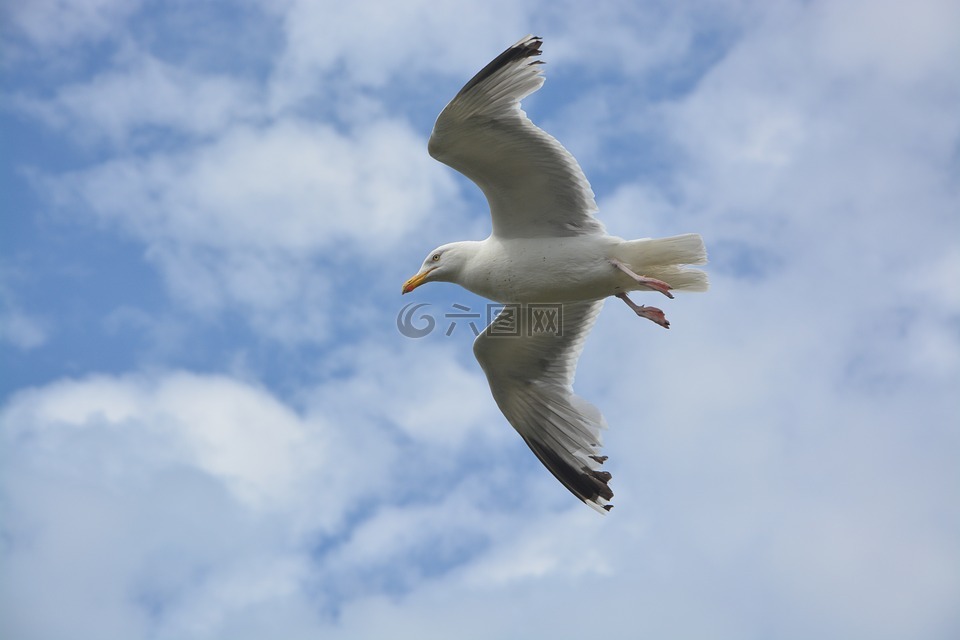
(549, 261)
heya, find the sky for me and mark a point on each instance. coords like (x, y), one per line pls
(211, 426)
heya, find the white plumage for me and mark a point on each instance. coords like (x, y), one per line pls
(549, 255)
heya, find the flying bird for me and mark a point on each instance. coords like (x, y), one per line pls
(549, 260)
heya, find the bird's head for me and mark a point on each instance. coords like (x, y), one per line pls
(443, 264)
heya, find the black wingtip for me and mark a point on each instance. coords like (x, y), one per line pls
(591, 486)
(526, 48)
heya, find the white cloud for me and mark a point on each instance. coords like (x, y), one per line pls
(140, 94)
(252, 217)
(21, 330)
(344, 48)
(179, 504)
(58, 24)
(909, 44)
(128, 489)
(144, 493)
(411, 376)
(231, 431)
(293, 185)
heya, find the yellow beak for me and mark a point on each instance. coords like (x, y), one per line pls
(415, 281)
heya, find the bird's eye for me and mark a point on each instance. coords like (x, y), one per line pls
(435, 257)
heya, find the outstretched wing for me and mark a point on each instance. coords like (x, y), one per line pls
(530, 357)
(534, 186)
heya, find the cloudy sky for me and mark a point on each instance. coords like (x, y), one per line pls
(210, 426)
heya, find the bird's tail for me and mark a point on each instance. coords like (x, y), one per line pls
(666, 259)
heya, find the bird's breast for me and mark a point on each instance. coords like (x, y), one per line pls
(542, 270)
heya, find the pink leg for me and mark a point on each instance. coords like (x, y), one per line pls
(650, 313)
(651, 283)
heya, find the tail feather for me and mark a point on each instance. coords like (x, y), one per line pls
(665, 259)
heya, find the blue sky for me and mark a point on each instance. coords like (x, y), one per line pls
(211, 427)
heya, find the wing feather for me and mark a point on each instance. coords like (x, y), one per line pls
(531, 378)
(534, 186)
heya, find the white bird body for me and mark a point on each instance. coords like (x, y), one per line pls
(567, 269)
(546, 247)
